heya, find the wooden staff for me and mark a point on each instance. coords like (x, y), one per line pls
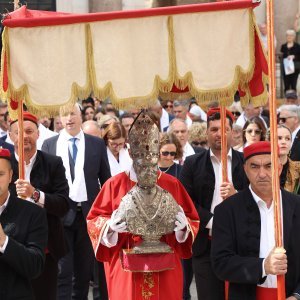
(274, 144)
(224, 150)
(21, 140)
(20, 126)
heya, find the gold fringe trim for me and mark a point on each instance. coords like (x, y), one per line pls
(224, 95)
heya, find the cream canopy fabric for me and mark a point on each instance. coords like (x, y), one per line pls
(130, 59)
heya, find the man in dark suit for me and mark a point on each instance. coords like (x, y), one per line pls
(201, 176)
(45, 184)
(23, 239)
(8, 146)
(86, 163)
(243, 243)
(289, 115)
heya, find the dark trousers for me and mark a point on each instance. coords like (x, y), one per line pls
(208, 286)
(76, 267)
(290, 81)
(45, 286)
(188, 274)
(99, 286)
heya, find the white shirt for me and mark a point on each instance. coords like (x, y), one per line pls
(217, 166)
(2, 207)
(70, 141)
(28, 169)
(188, 121)
(164, 120)
(2, 132)
(45, 133)
(295, 133)
(267, 236)
(242, 119)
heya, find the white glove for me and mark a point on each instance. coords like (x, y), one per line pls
(115, 223)
(181, 220)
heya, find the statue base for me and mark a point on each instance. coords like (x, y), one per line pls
(147, 262)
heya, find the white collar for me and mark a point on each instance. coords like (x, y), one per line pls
(229, 154)
(69, 136)
(258, 199)
(32, 159)
(4, 205)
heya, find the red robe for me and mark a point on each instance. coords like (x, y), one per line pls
(138, 285)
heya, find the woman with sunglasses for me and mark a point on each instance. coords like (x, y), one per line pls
(198, 136)
(170, 149)
(118, 156)
(290, 175)
(254, 131)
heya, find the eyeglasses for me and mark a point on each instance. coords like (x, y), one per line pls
(166, 153)
(255, 131)
(202, 143)
(236, 113)
(168, 106)
(115, 145)
(283, 120)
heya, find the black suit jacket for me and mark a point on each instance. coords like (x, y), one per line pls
(26, 226)
(197, 176)
(236, 244)
(48, 175)
(8, 146)
(96, 171)
(295, 150)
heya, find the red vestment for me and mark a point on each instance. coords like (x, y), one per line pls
(138, 285)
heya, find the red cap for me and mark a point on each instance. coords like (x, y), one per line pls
(27, 116)
(4, 153)
(257, 148)
(215, 110)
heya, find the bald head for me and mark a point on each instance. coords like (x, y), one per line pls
(91, 127)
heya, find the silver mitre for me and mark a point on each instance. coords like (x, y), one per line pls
(148, 210)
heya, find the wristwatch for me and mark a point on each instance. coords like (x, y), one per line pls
(36, 195)
(297, 296)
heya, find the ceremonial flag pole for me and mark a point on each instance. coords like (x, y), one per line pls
(274, 144)
(20, 126)
(21, 140)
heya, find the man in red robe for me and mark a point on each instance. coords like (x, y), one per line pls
(109, 237)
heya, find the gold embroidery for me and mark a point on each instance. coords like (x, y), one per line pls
(148, 284)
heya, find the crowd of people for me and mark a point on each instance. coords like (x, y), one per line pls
(69, 159)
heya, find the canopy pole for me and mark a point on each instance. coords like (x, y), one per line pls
(16, 4)
(21, 140)
(274, 144)
(224, 150)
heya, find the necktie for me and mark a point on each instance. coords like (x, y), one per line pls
(74, 149)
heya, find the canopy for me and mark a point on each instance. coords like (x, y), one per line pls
(50, 59)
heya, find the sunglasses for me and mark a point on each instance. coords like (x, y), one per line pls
(255, 131)
(166, 153)
(104, 126)
(236, 113)
(203, 143)
(283, 120)
(168, 106)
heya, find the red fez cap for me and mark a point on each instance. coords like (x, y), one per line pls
(4, 153)
(257, 148)
(27, 116)
(215, 110)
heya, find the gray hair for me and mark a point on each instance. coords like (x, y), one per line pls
(184, 103)
(170, 129)
(291, 32)
(295, 109)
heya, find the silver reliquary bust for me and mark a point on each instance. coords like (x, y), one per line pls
(147, 209)
(150, 214)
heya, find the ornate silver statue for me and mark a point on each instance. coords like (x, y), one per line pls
(148, 210)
